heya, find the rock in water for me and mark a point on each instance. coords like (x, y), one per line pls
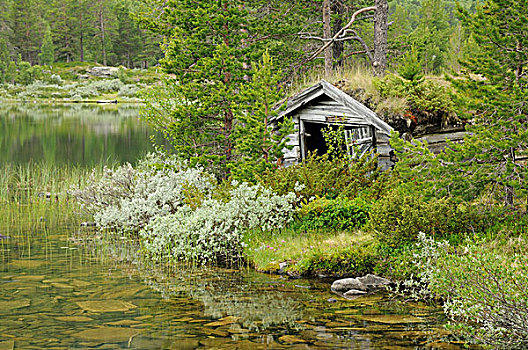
(354, 292)
(373, 282)
(346, 284)
(368, 283)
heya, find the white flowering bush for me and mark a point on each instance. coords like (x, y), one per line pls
(127, 198)
(172, 207)
(212, 233)
(484, 290)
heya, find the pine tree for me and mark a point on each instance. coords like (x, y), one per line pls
(494, 156)
(47, 50)
(258, 147)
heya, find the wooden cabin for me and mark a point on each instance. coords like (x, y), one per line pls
(324, 104)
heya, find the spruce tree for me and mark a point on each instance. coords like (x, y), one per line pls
(494, 157)
(47, 50)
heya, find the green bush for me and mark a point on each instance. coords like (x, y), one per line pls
(397, 218)
(356, 260)
(429, 101)
(484, 290)
(337, 214)
(324, 177)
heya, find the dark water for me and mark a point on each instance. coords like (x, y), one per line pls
(73, 134)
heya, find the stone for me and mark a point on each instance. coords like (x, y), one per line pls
(7, 345)
(290, 339)
(107, 334)
(74, 319)
(354, 292)
(346, 284)
(7, 305)
(105, 305)
(373, 282)
(390, 319)
(368, 283)
(103, 72)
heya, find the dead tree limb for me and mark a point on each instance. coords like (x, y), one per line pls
(339, 33)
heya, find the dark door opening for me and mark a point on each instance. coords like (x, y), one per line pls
(313, 138)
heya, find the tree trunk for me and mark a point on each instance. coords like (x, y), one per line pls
(338, 47)
(380, 37)
(327, 34)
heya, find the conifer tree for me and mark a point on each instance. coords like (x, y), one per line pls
(47, 50)
(258, 146)
(494, 157)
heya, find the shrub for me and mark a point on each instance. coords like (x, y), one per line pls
(338, 214)
(483, 289)
(325, 177)
(356, 260)
(129, 90)
(397, 218)
(213, 231)
(126, 199)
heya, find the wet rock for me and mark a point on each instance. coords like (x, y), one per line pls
(105, 305)
(346, 284)
(373, 282)
(290, 339)
(368, 283)
(7, 345)
(107, 334)
(354, 292)
(74, 318)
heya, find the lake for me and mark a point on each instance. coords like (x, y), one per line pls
(72, 134)
(61, 288)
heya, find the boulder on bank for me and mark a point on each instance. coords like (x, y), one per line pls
(103, 72)
(368, 283)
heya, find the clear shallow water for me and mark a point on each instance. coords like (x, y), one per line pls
(57, 294)
(72, 134)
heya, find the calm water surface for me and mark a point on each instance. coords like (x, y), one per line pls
(77, 134)
(57, 292)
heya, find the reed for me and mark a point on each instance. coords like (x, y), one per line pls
(34, 200)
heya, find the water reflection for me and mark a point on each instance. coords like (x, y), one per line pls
(71, 134)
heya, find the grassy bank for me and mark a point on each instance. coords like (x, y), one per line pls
(79, 81)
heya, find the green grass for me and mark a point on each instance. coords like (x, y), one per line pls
(318, 252)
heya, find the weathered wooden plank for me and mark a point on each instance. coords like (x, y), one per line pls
(440, 138)
(383, 148)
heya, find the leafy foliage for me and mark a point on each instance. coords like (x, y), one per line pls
(484, 289)
(397, 218)
(337, 214)
(327, 177)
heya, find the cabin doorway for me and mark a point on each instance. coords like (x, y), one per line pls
(358, 140)
(314, 141)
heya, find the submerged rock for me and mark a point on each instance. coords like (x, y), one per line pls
(354, 292)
